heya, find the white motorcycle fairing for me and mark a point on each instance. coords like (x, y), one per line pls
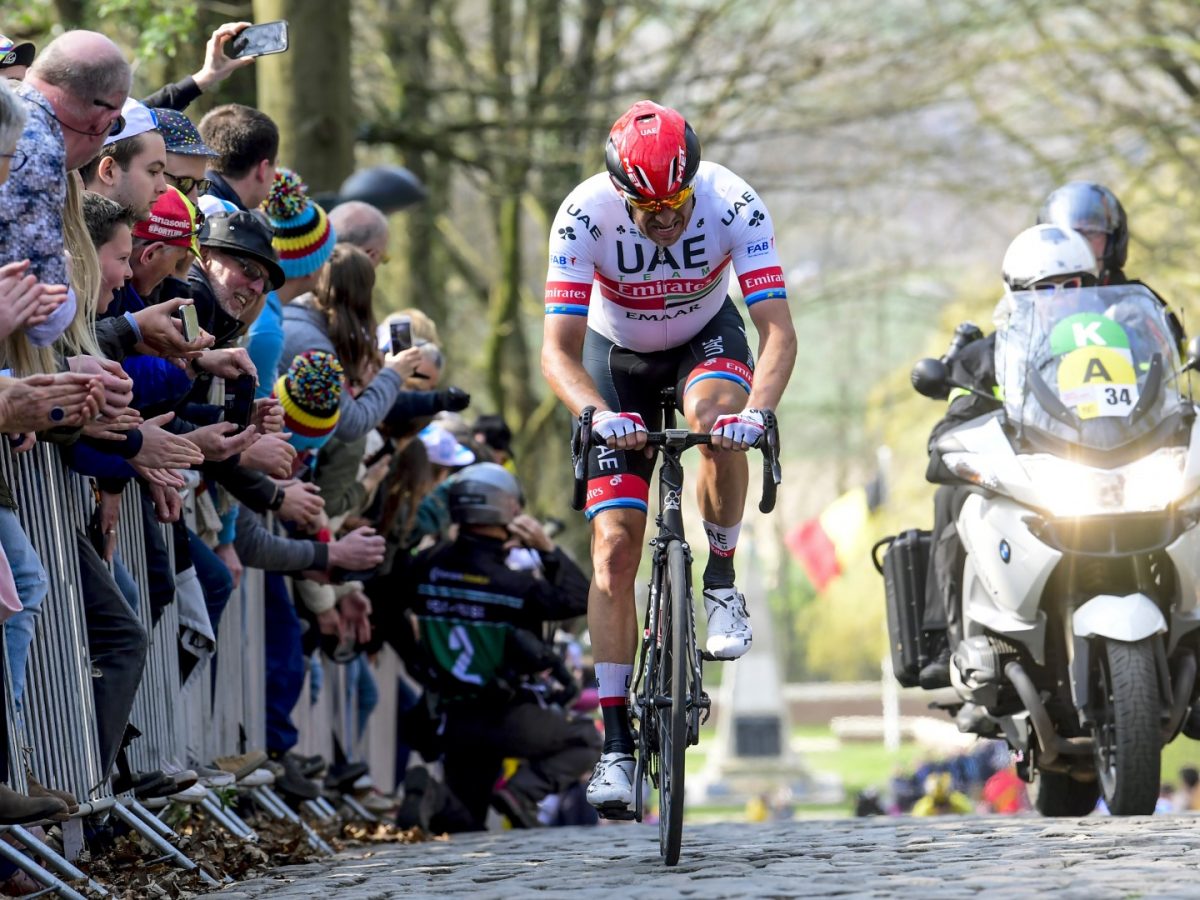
(1131, 618)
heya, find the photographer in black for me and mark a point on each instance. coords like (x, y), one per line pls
(479, 621)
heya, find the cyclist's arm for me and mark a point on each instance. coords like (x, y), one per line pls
(562, 363)
(776, 352)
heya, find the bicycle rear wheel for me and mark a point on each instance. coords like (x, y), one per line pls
(672, 677)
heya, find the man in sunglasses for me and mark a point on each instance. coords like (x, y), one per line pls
(73, 94)
(660, 234)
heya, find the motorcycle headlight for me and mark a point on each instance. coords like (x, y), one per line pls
(1069, 490)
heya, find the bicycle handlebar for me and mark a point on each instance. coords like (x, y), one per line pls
(583, 438)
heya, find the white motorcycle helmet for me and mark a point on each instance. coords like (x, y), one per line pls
(1046, 252)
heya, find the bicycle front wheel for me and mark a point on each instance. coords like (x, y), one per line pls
(676, 621)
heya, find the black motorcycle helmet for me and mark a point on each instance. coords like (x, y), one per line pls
(1085, 206)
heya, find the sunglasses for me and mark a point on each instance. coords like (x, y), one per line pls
(675, 201)
(252, 270)
(185, 183)
(16, 159)
(1065, 284)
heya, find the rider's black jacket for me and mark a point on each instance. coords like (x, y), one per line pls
(470, 607)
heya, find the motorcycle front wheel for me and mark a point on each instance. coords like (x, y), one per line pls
(1128, 731)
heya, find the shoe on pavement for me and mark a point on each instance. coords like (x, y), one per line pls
(520, 811)
(211, 777)
(423, 798)
(341, 776)
(260, 777)
(242, 764)
(729, 632)
(307, 766)
(290, 782)
(17, 809)
(611, 789)
(36, 790)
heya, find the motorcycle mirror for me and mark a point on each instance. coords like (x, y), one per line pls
(930, 378)
(1192, 361)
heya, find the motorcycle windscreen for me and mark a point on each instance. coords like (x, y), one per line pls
(1095, 366)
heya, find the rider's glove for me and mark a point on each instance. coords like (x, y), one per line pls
(745, 427)
(607, 425)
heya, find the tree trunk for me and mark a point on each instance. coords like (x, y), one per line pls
(307, 90)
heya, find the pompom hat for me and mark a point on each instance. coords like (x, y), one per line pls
(310, 392)
(304, 237)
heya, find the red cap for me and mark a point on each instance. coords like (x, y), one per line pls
(171, 221)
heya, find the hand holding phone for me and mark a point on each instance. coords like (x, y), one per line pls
(259, 40)
(401, 335)
(191, 325)
(239, 401)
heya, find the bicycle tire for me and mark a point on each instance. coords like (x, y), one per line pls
(675, 605)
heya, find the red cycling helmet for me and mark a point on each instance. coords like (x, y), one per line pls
(652, 151)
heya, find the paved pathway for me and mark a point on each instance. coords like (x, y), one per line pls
(1076, 859)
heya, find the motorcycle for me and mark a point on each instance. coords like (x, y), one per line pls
(1080, 590)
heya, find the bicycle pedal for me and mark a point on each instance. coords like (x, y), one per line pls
(616, 812)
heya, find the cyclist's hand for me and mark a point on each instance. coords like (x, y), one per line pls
(620, 430)
(738, 432)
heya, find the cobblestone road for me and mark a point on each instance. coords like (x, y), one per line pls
(1088, 859)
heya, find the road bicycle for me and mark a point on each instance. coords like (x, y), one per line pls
(669, 703)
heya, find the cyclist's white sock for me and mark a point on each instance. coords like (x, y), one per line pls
(722, 542)
(614, 680)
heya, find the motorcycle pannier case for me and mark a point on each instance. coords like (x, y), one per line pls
(904, 568)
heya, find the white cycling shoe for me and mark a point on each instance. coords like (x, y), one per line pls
(729, 633)
(611, 789)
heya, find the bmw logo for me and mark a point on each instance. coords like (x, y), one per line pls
(1005, 551)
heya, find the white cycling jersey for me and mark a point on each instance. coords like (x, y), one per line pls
(646, 298)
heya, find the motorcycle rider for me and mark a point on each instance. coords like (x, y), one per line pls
(1044, 256)
(1096, 213)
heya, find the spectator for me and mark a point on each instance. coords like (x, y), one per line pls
(237, 266)
(941, 799)
(1188, 797)
(363, 226)
(73, 94)
(493, 432)
(188, 157)
(130, 168)
(15, 58)
(337, 317)
(304, 241)
(111, 228)
(246, 142)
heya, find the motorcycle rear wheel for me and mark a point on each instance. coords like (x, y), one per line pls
(1129, 732)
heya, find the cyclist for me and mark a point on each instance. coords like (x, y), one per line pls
(658, 234)
(1038, 256)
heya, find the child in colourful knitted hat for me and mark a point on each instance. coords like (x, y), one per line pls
(310, 392)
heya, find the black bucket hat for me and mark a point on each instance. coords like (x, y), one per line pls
(243, 233)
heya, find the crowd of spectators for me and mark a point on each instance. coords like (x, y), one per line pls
(183, 321)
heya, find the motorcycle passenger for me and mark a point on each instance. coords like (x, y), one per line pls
(479, 625)
(1095, 212)
(1042, 256)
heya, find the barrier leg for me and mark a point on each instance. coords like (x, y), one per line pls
(359, 811)
(232, 816)
(160, 843)
(33, 870)
(54, 861)
(321, 808)
(268, 799)
(221, 817)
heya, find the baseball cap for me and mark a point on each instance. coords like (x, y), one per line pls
(139, 119)
(16, 53)
(172, 221)
(443, 449)
(180, 135)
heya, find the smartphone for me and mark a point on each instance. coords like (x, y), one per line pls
(191, 325)
(239, 401)
(401, 335)
(388, 449)
(259, 40)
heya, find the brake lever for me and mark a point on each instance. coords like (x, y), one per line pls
(772, 473)
(581, 446)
